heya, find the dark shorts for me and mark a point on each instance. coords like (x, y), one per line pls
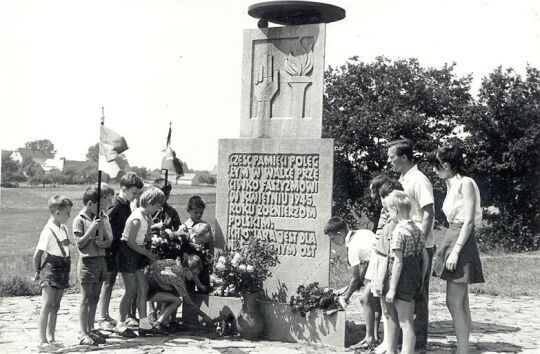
(409, 285)
(111, 258)
(129, 261)
(92, 270)
(55, 272)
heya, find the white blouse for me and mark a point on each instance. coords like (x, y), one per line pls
(136, 215)
(453, 206)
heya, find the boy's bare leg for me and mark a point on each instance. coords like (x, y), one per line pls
(405, 310)
(53, 315)
(369, 317)
(87, 292)
(47, 297)
(93, 306)
(106, 293)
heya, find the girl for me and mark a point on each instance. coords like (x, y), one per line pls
(132, 258)
(408, 266)
(458, 259)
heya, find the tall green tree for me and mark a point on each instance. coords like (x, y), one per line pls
(503, 140)
(368, 104)
(44, 145)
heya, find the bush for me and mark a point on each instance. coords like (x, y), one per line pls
(18, 286)
(508, 233)
(9, 184)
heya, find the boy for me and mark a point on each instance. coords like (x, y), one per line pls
(55, 270)
(130, 186)
(408, 267)
(195, 209)
(93, 234)
(359, 245)
(167, 218)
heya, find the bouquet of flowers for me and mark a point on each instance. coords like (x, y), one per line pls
(313, 297)
(164, 246)
(244, 269)
(224, 325)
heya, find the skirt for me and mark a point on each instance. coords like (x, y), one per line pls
(469, 267)
(55, 272)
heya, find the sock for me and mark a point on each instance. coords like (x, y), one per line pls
(144, 323)
(121, 325)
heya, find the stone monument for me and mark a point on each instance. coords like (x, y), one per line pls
(275, 182)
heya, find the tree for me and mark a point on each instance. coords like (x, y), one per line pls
(142, 172)
(44, 145)
(368, 104)
(503, 136)
(32, 168)
(11, 170)
(93, 153)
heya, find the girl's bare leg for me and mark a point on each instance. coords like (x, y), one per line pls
(456, 300)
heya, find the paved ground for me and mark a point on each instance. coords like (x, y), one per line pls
(500, 325)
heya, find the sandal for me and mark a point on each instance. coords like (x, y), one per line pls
(132, 322)
(98, 333)
(87, 340)
(127, 333)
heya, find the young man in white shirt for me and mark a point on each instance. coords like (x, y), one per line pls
(420, 190)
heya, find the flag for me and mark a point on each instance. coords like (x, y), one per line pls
(111, 145)
(169, 161)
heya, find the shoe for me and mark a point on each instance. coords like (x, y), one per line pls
(99, 334)
(87, 340)
(106, 325)
(152, 317)
(97, 338)
(46, 347)
(132, 322)
(126, 332)
(174, 327)
(153, 331)
(56, 344)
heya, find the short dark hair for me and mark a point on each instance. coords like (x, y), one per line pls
(402, 146)
(130, 180)
(59, 202)
(389, 186)
(164, 185)
(334, 225)
(196, 202)
(91, 193)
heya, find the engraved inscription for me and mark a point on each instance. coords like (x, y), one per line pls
(267, 188)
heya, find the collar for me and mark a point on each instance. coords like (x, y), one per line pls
(454, 180)
(53, 226)
(409, 172)
(83, 215)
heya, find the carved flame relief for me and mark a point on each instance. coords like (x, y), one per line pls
(302, 64)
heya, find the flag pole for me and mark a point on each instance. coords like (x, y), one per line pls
(166, 170)
(99, 171)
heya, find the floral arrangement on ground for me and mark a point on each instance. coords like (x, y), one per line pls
(313, 297)
(243, 269)
(223, 325)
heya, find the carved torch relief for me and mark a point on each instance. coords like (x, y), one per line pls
(299, 67)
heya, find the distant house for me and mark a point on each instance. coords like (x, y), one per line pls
(76, 165)
(187, 179)
(50, 164)
(37, 156)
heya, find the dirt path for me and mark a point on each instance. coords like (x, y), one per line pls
(500, 325)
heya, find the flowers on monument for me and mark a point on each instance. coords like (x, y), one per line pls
(313, 297)
(111, 145)
(243, 269)
(224, 325)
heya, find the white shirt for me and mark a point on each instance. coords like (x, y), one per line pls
(420, 190)
(47, 241)
(136, 215)
(359, 245)
(453, 206)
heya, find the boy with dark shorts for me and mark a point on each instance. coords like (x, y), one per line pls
(130, 186)
(93, 235)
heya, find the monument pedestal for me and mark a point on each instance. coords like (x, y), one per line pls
(280, 323)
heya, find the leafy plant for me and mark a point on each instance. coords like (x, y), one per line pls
(243, 269)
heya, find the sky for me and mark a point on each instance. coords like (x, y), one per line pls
(151, 62)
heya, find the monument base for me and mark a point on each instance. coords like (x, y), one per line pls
(280, 323)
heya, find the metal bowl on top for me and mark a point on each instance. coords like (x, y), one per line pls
(293, 13)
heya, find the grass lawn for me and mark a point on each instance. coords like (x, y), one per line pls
(24, 212)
